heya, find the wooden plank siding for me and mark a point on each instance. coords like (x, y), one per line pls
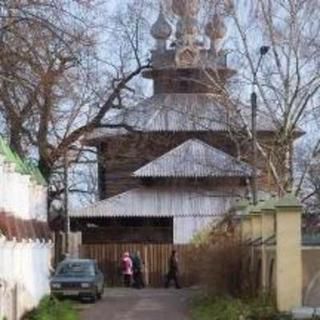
(121, 156)
(155, 256)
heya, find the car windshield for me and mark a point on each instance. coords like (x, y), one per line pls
(75, 269)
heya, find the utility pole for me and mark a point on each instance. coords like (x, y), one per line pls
(254, 146)
(254, 108)
(66, 201)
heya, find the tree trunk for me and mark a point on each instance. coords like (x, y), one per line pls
(286, 163)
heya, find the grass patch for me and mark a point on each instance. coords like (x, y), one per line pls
(52, 309)
(234, 309)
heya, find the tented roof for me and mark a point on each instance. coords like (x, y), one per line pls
(160, 202)
(194, 158)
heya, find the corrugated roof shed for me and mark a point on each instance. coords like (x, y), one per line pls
(166, 202)
(194, 158)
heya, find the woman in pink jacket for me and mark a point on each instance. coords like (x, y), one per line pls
(126, 266)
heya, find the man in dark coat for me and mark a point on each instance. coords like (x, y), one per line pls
(173, 270)
(137, 271)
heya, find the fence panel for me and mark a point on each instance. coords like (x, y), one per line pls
(154, 256)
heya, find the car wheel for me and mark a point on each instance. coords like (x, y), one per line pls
(100, 294)
(95, 296)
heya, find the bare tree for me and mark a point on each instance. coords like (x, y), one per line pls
(56, 86)
(289, 81)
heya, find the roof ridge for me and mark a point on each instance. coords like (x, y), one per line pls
(167, 152)
(176, 152)
(219, 151)
(199, 141)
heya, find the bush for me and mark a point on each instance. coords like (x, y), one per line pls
(217, 262)
(234, 309)
(52, 309)
(216, 309)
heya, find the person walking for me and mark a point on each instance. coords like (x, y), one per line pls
(173, 273)
(137, 271)
(126, 267)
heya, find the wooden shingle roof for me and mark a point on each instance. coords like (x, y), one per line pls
(173, 113)
(194, 158)
(160, 202)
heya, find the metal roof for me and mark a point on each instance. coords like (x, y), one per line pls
(22, 166)
(160, 202)
(194, 158)
(173, 113)
(15, 227)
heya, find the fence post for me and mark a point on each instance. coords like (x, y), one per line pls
(288, 253)
(268, 230)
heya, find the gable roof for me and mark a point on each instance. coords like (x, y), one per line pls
(173, 113)
(194, 158)
(161, 202)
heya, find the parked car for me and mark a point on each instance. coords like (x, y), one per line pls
(78, 278)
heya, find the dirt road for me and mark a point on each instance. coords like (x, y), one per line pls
(132, 304)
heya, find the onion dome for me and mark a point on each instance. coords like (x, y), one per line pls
(161, 30)
(216, 31)
(216, 28)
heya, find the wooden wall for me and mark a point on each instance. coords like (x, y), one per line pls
(121, 156)
(155, 256)
(118, 234)
(124, 230)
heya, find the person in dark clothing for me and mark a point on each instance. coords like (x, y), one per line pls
(173, 271)
(137, 271)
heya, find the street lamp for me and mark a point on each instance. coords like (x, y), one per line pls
(263, 51)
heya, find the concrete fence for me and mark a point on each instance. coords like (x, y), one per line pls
(24, 275)
(25, 246)
(272, 229)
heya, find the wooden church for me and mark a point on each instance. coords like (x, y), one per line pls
(170, 165)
